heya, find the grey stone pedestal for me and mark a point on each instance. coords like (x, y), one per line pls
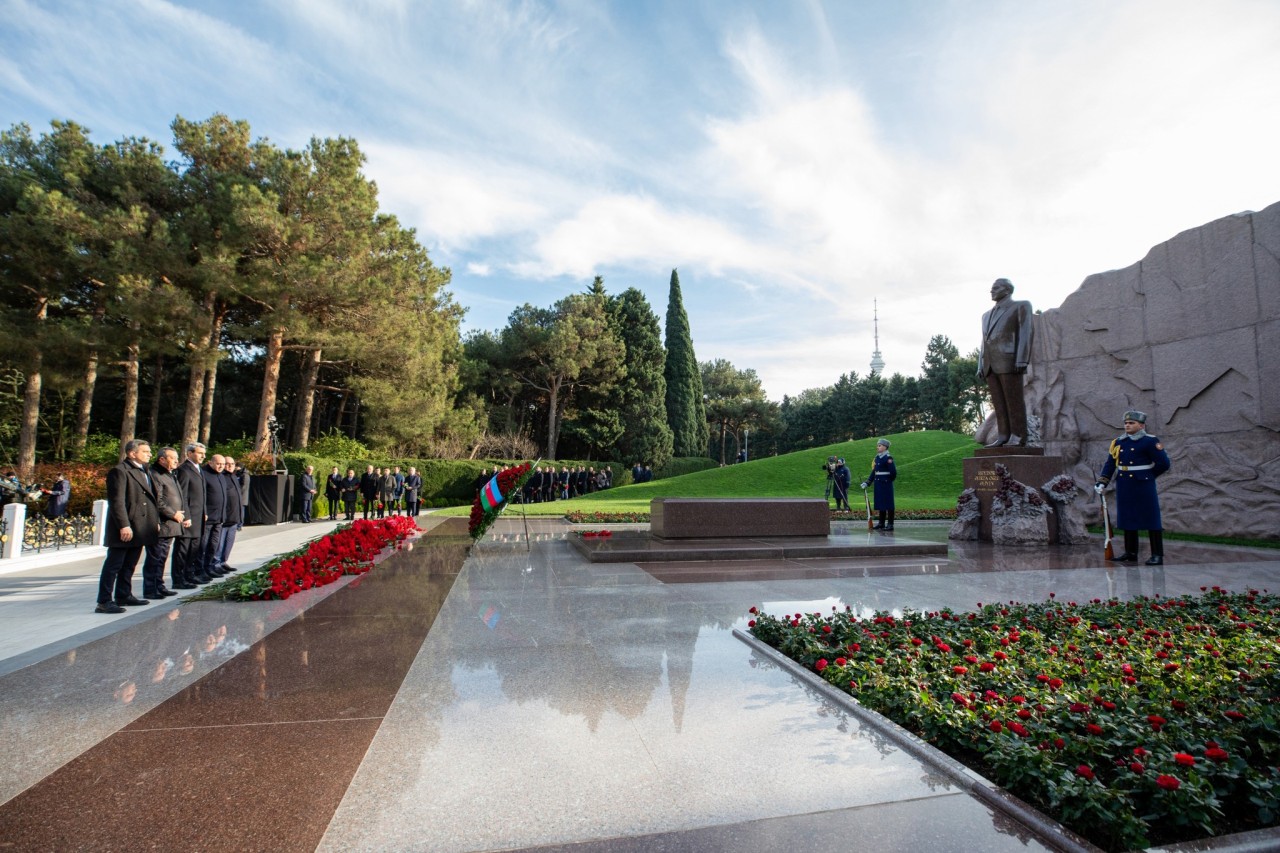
(1026, 465)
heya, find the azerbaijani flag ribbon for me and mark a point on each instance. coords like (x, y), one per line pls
(491, 495)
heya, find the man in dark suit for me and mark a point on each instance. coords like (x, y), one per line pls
(412, 486)
(231, 475)
(369, 490)
(215, 516)
(307, 487)
(132, 524)
(171, 504)
(333, 492)
(188, 560)
(1003, 359)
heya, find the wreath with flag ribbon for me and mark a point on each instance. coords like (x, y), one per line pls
(492, 499)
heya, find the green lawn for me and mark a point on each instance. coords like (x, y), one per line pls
(929, 477)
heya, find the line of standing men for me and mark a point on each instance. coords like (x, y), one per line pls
(168, 508)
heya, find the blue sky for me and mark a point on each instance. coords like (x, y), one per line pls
(794, 160)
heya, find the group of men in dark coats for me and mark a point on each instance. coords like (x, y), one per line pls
(168, 508)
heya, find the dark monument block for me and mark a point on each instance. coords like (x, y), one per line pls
(718, 518)
(270, 496)
(1026, 465)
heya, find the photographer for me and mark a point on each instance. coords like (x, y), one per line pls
(830, 467)
(841, 479)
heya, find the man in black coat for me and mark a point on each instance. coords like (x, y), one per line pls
(215, 516)
(171, 504)
(307, 489)
(188, 561)
(412, 485)
(231, 475)
(333, 492)
(369, 490)
(132, 524)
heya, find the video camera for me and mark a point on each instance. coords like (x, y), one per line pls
(830, 466)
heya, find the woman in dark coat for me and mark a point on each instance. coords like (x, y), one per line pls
(883, 473)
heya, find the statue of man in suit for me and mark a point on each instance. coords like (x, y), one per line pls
(1003, 359)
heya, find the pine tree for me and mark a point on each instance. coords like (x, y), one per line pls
(686, 411)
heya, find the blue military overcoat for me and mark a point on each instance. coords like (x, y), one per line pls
(883, 473)
(1135, 463)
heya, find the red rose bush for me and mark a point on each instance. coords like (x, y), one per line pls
(1134, 723)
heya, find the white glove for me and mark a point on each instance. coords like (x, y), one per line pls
(863, 486)
(1098, 487)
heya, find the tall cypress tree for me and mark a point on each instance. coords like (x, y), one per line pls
(642, 393)
(686, 412)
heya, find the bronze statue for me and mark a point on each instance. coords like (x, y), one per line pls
(1003, 358)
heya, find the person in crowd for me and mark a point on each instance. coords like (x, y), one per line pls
(188, 563)
(11, 490)
(215, 516)
(482, 480)
(386, 492)
(1135, 460)
(333, 492)
(608, 477)
(242, 476)
(350, 491)
(648, 474)
(412, 486)
(59, 496)
(133, 523)
(637, 473)
(307, 490)
(398, 498)
(883, 473)
(840, 482)
(171, 505)
(235, 513)
(548, 483)
(369, 489)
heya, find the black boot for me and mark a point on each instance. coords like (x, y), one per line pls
(880, 523)
(1130, 554)
(889, 526)
(1156, 538)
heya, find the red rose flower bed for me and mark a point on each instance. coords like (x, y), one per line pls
(1133, 723)
(349, 550)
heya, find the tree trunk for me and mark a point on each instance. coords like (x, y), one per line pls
(210, 376)
(552, 401)
(306, 399)
(270, 384)
(195, 395)
(157, 391)
(84, 408)
(342, 411)
(129, 421)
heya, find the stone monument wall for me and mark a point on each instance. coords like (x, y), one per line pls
(1191, 336)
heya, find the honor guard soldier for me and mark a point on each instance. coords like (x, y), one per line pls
(1135, 460)
(883, 473)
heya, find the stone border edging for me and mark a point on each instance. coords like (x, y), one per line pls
(1049, 831)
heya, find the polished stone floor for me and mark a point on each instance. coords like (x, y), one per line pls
(506, 698)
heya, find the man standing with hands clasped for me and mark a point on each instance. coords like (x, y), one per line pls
(133, 523)
(1135, 459)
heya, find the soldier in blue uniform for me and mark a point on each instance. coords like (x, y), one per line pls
(1135, 460)
(883, 473)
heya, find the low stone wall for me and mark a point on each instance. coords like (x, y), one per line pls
(731, 518)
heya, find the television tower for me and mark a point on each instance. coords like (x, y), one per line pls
(877, 362)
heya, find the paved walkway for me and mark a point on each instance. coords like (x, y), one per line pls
(507, 699)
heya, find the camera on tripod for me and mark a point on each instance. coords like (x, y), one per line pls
(830, 467)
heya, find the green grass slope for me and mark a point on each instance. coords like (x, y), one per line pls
(929, 477)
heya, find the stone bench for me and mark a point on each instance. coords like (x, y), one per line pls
(737, 518)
